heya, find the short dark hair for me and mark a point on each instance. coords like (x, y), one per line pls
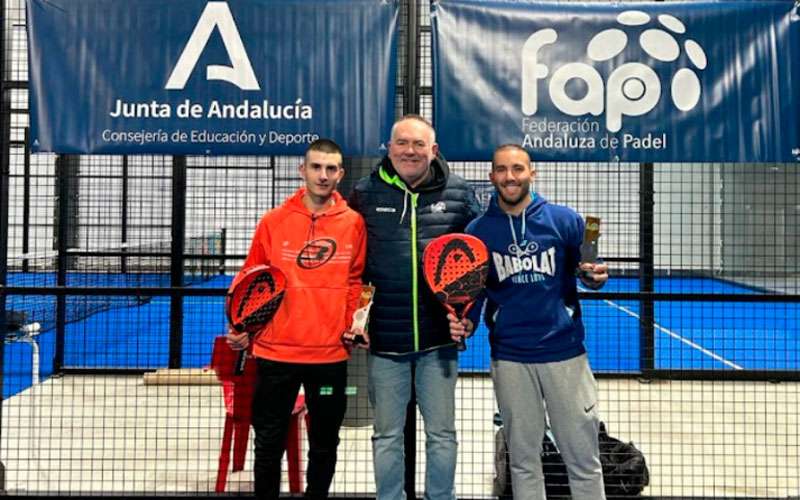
(511, 145)
(324, 146)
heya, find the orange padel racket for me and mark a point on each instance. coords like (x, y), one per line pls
(252, 300)
(455, 267)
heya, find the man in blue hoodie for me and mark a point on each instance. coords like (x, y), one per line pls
(535, 328)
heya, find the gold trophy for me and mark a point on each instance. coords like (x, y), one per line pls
(361, 315)
(589, 247)
(359, 410)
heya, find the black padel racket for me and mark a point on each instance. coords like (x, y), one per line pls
(456, 266)
(252, 300)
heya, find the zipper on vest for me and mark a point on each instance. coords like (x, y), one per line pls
(414, 270)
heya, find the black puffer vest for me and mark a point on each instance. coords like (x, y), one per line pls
(406, 316)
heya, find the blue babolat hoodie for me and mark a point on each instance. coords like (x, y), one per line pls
(532, 308)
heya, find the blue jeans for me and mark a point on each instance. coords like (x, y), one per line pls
(435, 374)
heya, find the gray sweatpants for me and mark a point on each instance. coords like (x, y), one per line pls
(570, 393)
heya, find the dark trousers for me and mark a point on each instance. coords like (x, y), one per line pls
(276, 390)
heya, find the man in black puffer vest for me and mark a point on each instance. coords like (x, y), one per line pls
(410, 198)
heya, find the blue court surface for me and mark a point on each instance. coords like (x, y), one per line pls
(132, 332)
(688, 335)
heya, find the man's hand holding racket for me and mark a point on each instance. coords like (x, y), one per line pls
(460, 329)
(237, 341)
(252, 300)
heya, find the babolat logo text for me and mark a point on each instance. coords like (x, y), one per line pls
(632, 88)
(524, 266)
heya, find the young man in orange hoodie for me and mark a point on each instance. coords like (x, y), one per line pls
(319, 243)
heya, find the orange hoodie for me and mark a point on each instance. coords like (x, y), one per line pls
(322, 256)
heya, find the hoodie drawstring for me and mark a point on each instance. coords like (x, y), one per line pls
(405, 205)
(310, 236)
(514, 233)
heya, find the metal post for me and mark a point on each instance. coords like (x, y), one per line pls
(223, 248)
(411, 105)
(5, 160)
(66, 237)
(646, 267)
(66, 215)
(124, 215)
(273, 182)
(176, 260)
(26, 200)
(410, 84)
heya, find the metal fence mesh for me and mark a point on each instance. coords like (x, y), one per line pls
(694, 341)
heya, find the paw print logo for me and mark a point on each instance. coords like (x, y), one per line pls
(661, 44)
(631, 89)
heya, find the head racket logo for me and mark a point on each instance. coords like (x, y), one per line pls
(455, 249)
(632, 88)
(316, 253)
(256, 288)
(455, 267)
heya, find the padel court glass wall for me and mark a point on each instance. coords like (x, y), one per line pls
(114, 270)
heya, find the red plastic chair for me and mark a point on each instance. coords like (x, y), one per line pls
(237, 391)
(294, 444)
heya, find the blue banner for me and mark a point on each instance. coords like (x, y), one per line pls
(623, 81)
(229, 77)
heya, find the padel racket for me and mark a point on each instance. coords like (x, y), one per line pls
(455, 267)
(252, 300)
